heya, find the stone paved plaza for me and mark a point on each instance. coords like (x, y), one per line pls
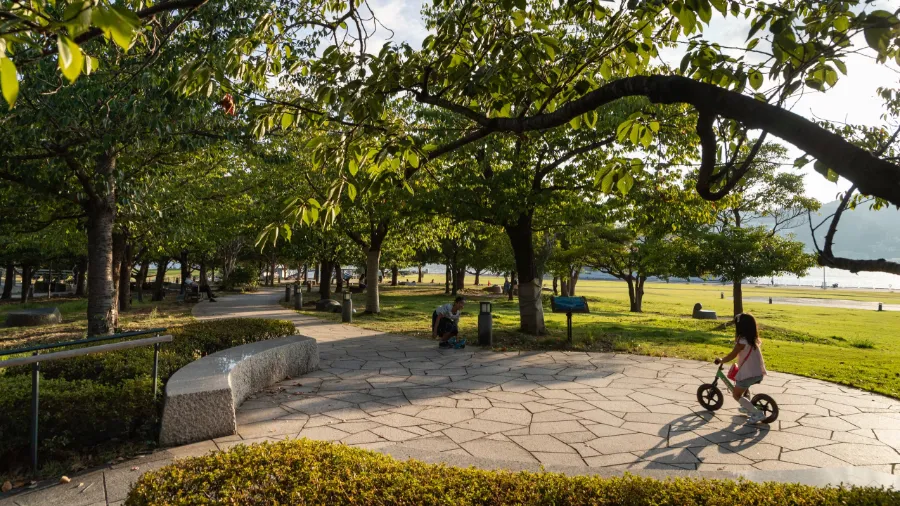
(577, 413)
(377, 390)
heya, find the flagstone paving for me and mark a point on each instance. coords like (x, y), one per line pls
(378, 391)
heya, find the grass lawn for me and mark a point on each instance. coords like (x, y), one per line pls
(848, 346)
(143, 315)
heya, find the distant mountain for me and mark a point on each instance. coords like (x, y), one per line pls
(862, 233)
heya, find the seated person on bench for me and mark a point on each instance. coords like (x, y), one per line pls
(190, 284)
(445, 321)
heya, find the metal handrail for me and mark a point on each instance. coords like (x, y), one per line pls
(59, 355)
(35, 360)
(80, 341)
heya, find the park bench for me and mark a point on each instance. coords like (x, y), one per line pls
(203, 396)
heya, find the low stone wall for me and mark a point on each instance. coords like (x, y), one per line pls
(201, 398)
(33, 317)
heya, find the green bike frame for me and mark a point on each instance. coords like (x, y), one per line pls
(721, 376)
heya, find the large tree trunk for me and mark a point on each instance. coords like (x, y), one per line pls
(394, 272)
(373, 263)
(158, 289)
(141, 279)
(555, 285)
(103, 314)
(9, 281)
(460, 277)
(512, 284)
(125, 266)
(185, 268)
(531, 309)
(26, 283)
(565, 287)
(338, 278)
(316, 274)
(447, 278)
(478, 277)
(636, 292)
(420, 274)
(738, 295)
(325, 280)
(204, 278)
(81, 276)
(573, 280)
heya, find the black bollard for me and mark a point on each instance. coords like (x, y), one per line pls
(485, 325)
(287, 293)
(347, 308)
(298, 298)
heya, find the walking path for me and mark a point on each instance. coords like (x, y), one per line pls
(579, 413)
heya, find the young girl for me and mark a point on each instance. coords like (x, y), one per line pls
(751, 366)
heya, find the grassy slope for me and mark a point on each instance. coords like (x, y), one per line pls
(811, 341)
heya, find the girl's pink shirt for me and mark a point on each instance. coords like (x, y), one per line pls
(750, 362)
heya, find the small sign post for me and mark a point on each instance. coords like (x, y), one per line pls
(569, 305)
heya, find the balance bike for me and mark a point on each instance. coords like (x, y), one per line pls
(711, 398)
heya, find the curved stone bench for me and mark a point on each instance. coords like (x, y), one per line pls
(201, 397)
(33, 317)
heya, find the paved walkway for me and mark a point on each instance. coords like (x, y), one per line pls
(579, 413)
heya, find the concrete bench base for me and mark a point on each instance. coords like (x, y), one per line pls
(201, 398)
(33, 317)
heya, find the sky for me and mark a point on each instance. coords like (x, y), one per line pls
(852, 100)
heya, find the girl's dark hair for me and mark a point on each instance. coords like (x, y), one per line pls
(745, 326)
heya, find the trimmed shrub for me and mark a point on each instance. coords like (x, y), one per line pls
(312, 472)
(73, 415)
(241, 277)
(105, 399)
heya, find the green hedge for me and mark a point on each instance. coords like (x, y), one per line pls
(311, 472)
(94, 403)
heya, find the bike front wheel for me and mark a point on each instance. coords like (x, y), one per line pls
(710, 397)
(767, 405)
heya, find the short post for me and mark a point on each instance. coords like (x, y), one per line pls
(770, 300)
(287, 293)
(879, 307)
(155, 369)
(308, 287)
(347, 308)
(485, 325)
(721, 295)
(298, 298)
(35, 393)
(569, 325)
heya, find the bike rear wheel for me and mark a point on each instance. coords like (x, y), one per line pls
(767, 405)
(710, 397)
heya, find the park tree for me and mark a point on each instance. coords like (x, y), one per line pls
(746, 241)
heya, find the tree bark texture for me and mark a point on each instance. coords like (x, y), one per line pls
(125, 267)
(26, 283)
(420, 274)
(158, 284)
(531, 310)
(9, 281)
(185, 268)
(394, 272)
(81, 276)
(325, 280)
(447, 277)
(373, 263)
(737, 293)
(103, 314)
(142, 279)
(338, 278)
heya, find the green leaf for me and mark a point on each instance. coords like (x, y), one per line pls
(840, 65)
(575, 122)
(518, 18)
(646, 138)
(654, 125)
(287, 119)
(353, 166)
(634, 134)
(408, 188)
(71, 59)
(606, 184)
(313, 214)
(841, 24)
(756, 78)
(832, 176)
(878, 38)
(720, 6)
(315, 203)
(9, 81)
(625, 183)
(623, 129)
(825, 171)
(412, 159)
(118, 24)
(351, 192)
